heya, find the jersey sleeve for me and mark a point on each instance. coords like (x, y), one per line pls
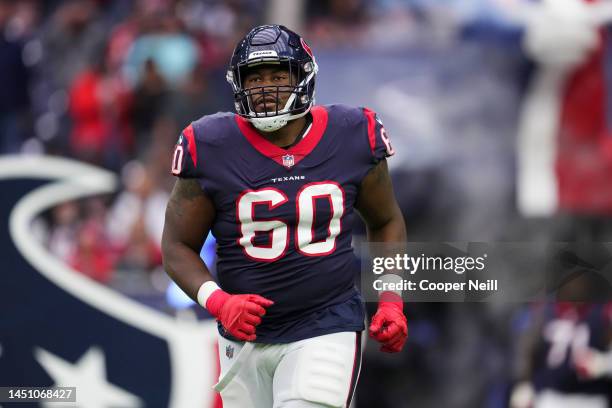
(185, 156)
(380, 145)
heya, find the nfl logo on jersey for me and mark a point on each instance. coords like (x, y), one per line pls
(288, 160)
(229, 351)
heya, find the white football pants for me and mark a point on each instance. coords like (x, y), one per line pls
(312, 373)
(554, 399)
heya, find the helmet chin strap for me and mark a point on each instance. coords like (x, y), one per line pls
(270, 124)
(274, 123)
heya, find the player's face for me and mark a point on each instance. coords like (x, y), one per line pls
(269, 87)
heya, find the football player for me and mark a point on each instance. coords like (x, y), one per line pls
(278, 184)
(564, 357)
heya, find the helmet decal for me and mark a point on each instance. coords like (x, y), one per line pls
(306, 48)
(262, 54)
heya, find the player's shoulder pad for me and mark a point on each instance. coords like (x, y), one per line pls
(378, 140)
(345, 114)
(196, 140)
(213, 129)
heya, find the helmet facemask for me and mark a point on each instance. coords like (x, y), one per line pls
(290, 101)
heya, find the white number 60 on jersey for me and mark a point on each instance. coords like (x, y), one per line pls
(279, 230)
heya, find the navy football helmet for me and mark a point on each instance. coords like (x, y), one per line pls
(273, 44)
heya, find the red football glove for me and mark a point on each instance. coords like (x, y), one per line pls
(239, 314)
(389, 325)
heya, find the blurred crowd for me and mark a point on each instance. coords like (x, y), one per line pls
(112, 83)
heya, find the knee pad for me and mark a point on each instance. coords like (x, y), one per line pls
(236, 394)
(324, 373)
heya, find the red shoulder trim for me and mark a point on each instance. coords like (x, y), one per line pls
(371, 116)
(299, 151)
(188, 133)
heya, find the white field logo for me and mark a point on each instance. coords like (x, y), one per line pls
(187, 340)
(262, 54)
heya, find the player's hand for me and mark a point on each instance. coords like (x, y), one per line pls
(522, 395)
(239, 314)
(389, 325)
(592, 364)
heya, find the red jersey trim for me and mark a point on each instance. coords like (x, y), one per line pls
(299, 151)
(188, 133)
(371, 116)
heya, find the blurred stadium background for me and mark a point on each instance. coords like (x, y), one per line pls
(111, 83)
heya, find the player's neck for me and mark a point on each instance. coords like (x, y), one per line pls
(286, 135)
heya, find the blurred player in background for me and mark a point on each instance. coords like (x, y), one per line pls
(565, 166)
(564, 358)
(278, 184)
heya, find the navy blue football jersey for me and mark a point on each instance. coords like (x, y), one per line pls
(567, 330)
(284, 216)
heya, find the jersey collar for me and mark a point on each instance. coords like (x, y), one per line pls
(292, 156)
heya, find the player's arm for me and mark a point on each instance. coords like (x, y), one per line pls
(384, 223)
(523, 392)
(594, 364)
(189, 217)
(377, 205)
